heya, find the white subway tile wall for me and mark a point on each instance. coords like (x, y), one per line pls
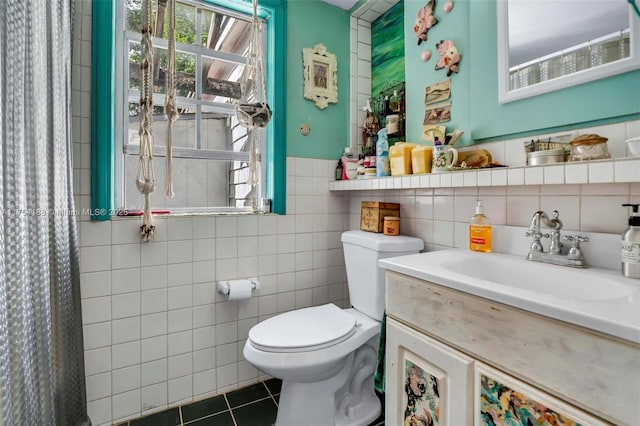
(156, 332)
(360, 74)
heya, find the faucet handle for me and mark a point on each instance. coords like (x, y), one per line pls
(576, 239)
(574, 251)
(536, 245)
(536, 234)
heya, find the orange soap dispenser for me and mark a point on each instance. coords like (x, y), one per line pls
(480, 231)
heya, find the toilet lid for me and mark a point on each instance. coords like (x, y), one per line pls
(303, 329)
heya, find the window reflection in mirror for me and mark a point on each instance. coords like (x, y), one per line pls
(545, 45)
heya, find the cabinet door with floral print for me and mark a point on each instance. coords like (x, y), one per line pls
(428, 383)
(502, 400)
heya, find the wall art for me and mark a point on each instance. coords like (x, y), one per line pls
(424, 21)
(320, 75)
(449, 57)
(437, 92)
(387, 49)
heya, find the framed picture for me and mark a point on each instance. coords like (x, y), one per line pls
(320, 75)
(502, 400)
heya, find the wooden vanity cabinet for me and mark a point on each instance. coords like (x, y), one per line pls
(486, 357)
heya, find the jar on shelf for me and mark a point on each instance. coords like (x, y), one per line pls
(391, 225)
(589, 147)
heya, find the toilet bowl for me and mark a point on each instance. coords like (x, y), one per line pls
(313, 376)
(326, 356)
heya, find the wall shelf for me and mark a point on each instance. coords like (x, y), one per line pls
(619, 170)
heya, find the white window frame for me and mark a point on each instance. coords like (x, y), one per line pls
(123, 96)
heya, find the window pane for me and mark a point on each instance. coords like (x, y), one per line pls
(185, 24)
(215, 132)
(240, 192)
(197, 183)
(183, 133)
(220, 81)
(185, 20)
(185, 73)
(134, 112)
(205, 18)
(134, 14)
(183, 130)
(239, 136)
(225, 33)
(135, 55)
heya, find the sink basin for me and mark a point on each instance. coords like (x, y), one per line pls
(550, 280)
(599, 299)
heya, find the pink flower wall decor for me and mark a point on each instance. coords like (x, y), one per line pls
(425, 21)
(449, 56)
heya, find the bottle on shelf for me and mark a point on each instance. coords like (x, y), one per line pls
(339, 170)
(394, 102)
(631, 245)
(385, 105)
(382, 154)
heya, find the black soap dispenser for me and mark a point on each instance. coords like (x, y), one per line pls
(631, 245)
(339, 170)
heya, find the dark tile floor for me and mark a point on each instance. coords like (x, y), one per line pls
(255, 405)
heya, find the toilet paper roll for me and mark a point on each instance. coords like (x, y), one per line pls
(240, 289)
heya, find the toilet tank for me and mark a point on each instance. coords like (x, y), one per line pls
(365, 278)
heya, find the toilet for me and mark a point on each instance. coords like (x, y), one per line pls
(326, 356)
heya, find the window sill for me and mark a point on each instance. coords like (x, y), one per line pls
(183, 212)
(621, 170)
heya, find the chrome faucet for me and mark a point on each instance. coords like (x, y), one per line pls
(573, 257)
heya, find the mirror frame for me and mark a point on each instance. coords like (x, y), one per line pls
(606, 70)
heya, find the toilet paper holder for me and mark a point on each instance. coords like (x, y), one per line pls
(224, 286)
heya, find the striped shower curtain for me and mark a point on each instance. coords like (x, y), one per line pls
(41, 354)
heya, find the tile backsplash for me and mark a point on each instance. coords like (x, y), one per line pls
(440, 215)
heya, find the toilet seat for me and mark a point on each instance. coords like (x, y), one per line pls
(303, 330)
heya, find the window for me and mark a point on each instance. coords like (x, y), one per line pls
(210, 152)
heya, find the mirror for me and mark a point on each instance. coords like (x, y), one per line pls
(546, 45)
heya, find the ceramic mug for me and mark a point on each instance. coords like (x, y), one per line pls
(444, 158)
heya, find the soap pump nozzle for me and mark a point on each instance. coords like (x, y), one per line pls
(634, 219)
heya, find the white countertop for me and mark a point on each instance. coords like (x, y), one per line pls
(598, 299)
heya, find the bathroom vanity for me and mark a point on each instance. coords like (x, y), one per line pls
(464, 355)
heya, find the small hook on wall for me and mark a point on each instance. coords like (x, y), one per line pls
(305, 128)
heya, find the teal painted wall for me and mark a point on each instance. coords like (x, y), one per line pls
(453, 26)
(475, 107)
(310, 22)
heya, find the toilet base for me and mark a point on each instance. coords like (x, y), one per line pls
(357, 403)
(365, 412)
(345, 399)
